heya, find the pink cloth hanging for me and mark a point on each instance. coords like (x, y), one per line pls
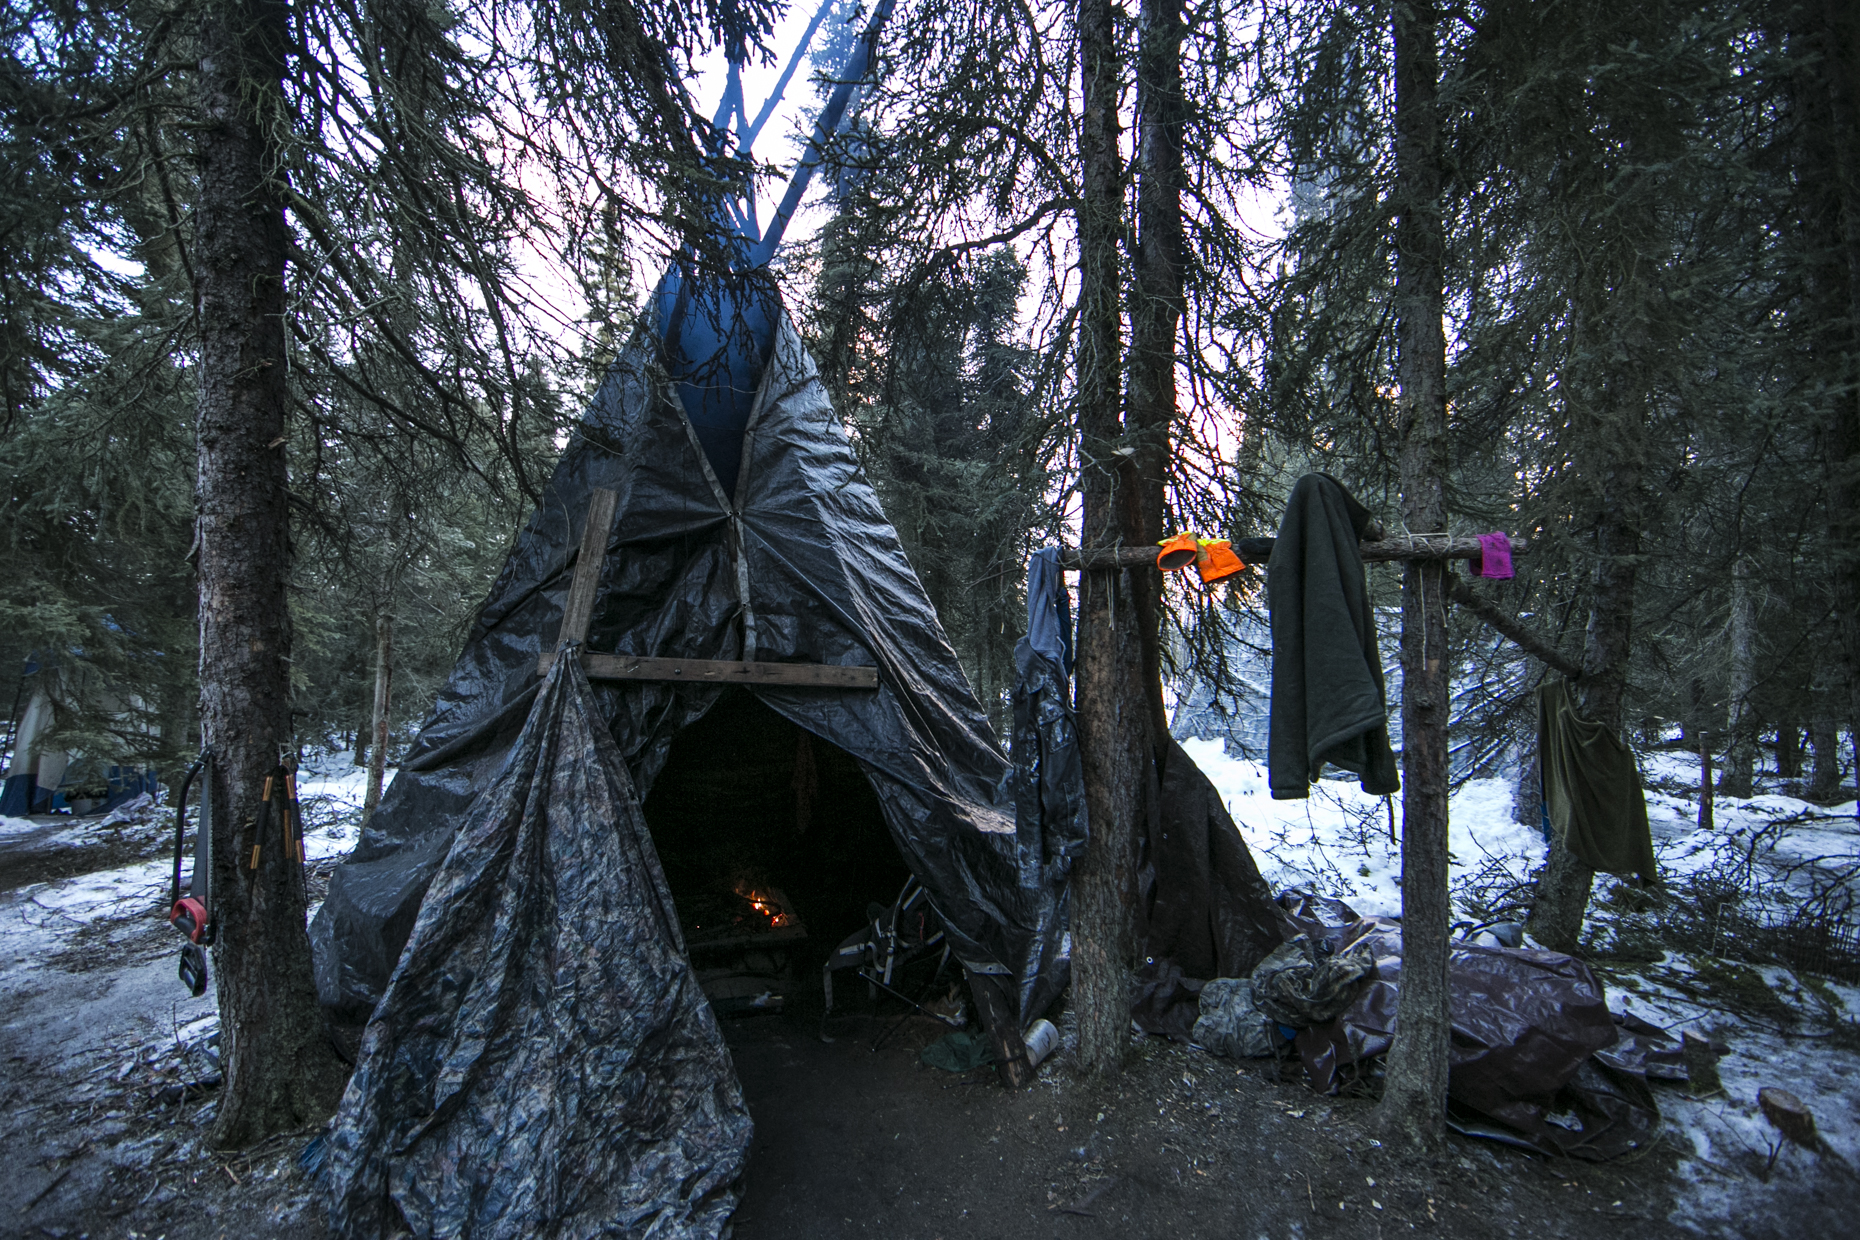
(1495, 555)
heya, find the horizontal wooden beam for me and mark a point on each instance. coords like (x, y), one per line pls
(723, 671)
(1256, 550)
(1434, 547)
(1107, 557)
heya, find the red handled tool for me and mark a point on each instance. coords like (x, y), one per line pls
(191, 914)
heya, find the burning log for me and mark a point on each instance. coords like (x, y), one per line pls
(767, 903)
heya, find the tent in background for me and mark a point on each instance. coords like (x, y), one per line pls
(44, 778)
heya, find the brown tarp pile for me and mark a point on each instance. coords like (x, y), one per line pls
(1203, 910)
(1537, 1059)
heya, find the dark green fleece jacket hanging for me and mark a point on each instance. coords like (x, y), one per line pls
(1592, 789)
(1328, 699)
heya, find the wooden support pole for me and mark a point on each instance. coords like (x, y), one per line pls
(1512, 627)
(578, 615)
(578, 611)
(994, 1002)
(721, 671)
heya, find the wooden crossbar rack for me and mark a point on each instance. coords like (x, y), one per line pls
(1254, 550)
(722, 671)
(578, 615)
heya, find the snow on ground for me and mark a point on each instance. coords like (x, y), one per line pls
(93, 949)
(74, 831)
(106, 893)
(330, 788)
(1339, 843)
(1726, 1136)
(1800, 1033)
(330, 800)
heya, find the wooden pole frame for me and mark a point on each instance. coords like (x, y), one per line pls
(1384, 550)
(578, 616)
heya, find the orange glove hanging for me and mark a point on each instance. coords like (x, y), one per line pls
(1178, 551)
(1214, 558)
(1217, 561)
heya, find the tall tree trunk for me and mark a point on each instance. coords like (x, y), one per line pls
(1853, 735)
(280, 1072)
(1824, 735)
(1788, 750)
(1527, 800)
(1156, 308)
(1414, 1102)
(1112, 715)
(1841, 58)
(384, 678)
(1740, 759)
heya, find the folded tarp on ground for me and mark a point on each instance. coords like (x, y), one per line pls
(1534, 1046)
(542, 1062)
(1203, 911)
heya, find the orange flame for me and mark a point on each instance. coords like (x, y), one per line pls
(765, 903)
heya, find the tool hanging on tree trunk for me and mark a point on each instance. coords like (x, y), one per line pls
(280, 789)
(192, 914)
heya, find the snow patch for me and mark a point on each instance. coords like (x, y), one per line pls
(1339, 841)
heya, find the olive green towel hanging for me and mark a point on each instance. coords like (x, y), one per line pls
(1592, 789)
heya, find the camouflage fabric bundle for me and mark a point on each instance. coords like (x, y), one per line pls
(543, 1062)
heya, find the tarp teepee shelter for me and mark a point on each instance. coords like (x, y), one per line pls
(797, 567)
(707, 550)
(505, 920)
(734, 525)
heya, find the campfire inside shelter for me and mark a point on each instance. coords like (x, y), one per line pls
(774, 846)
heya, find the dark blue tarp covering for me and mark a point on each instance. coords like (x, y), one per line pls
(21, 791)
(795, 563)
(717, 336)
(23, 795)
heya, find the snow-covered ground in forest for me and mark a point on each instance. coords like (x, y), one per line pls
(1337, 842)
(330, 788)
(329, 794)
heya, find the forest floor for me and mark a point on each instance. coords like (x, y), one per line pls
(108, 1072)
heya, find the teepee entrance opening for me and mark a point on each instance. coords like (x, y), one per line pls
(773, 845)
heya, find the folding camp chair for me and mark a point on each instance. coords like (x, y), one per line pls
(891, 939)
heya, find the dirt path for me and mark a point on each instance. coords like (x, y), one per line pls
(851, 1143)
